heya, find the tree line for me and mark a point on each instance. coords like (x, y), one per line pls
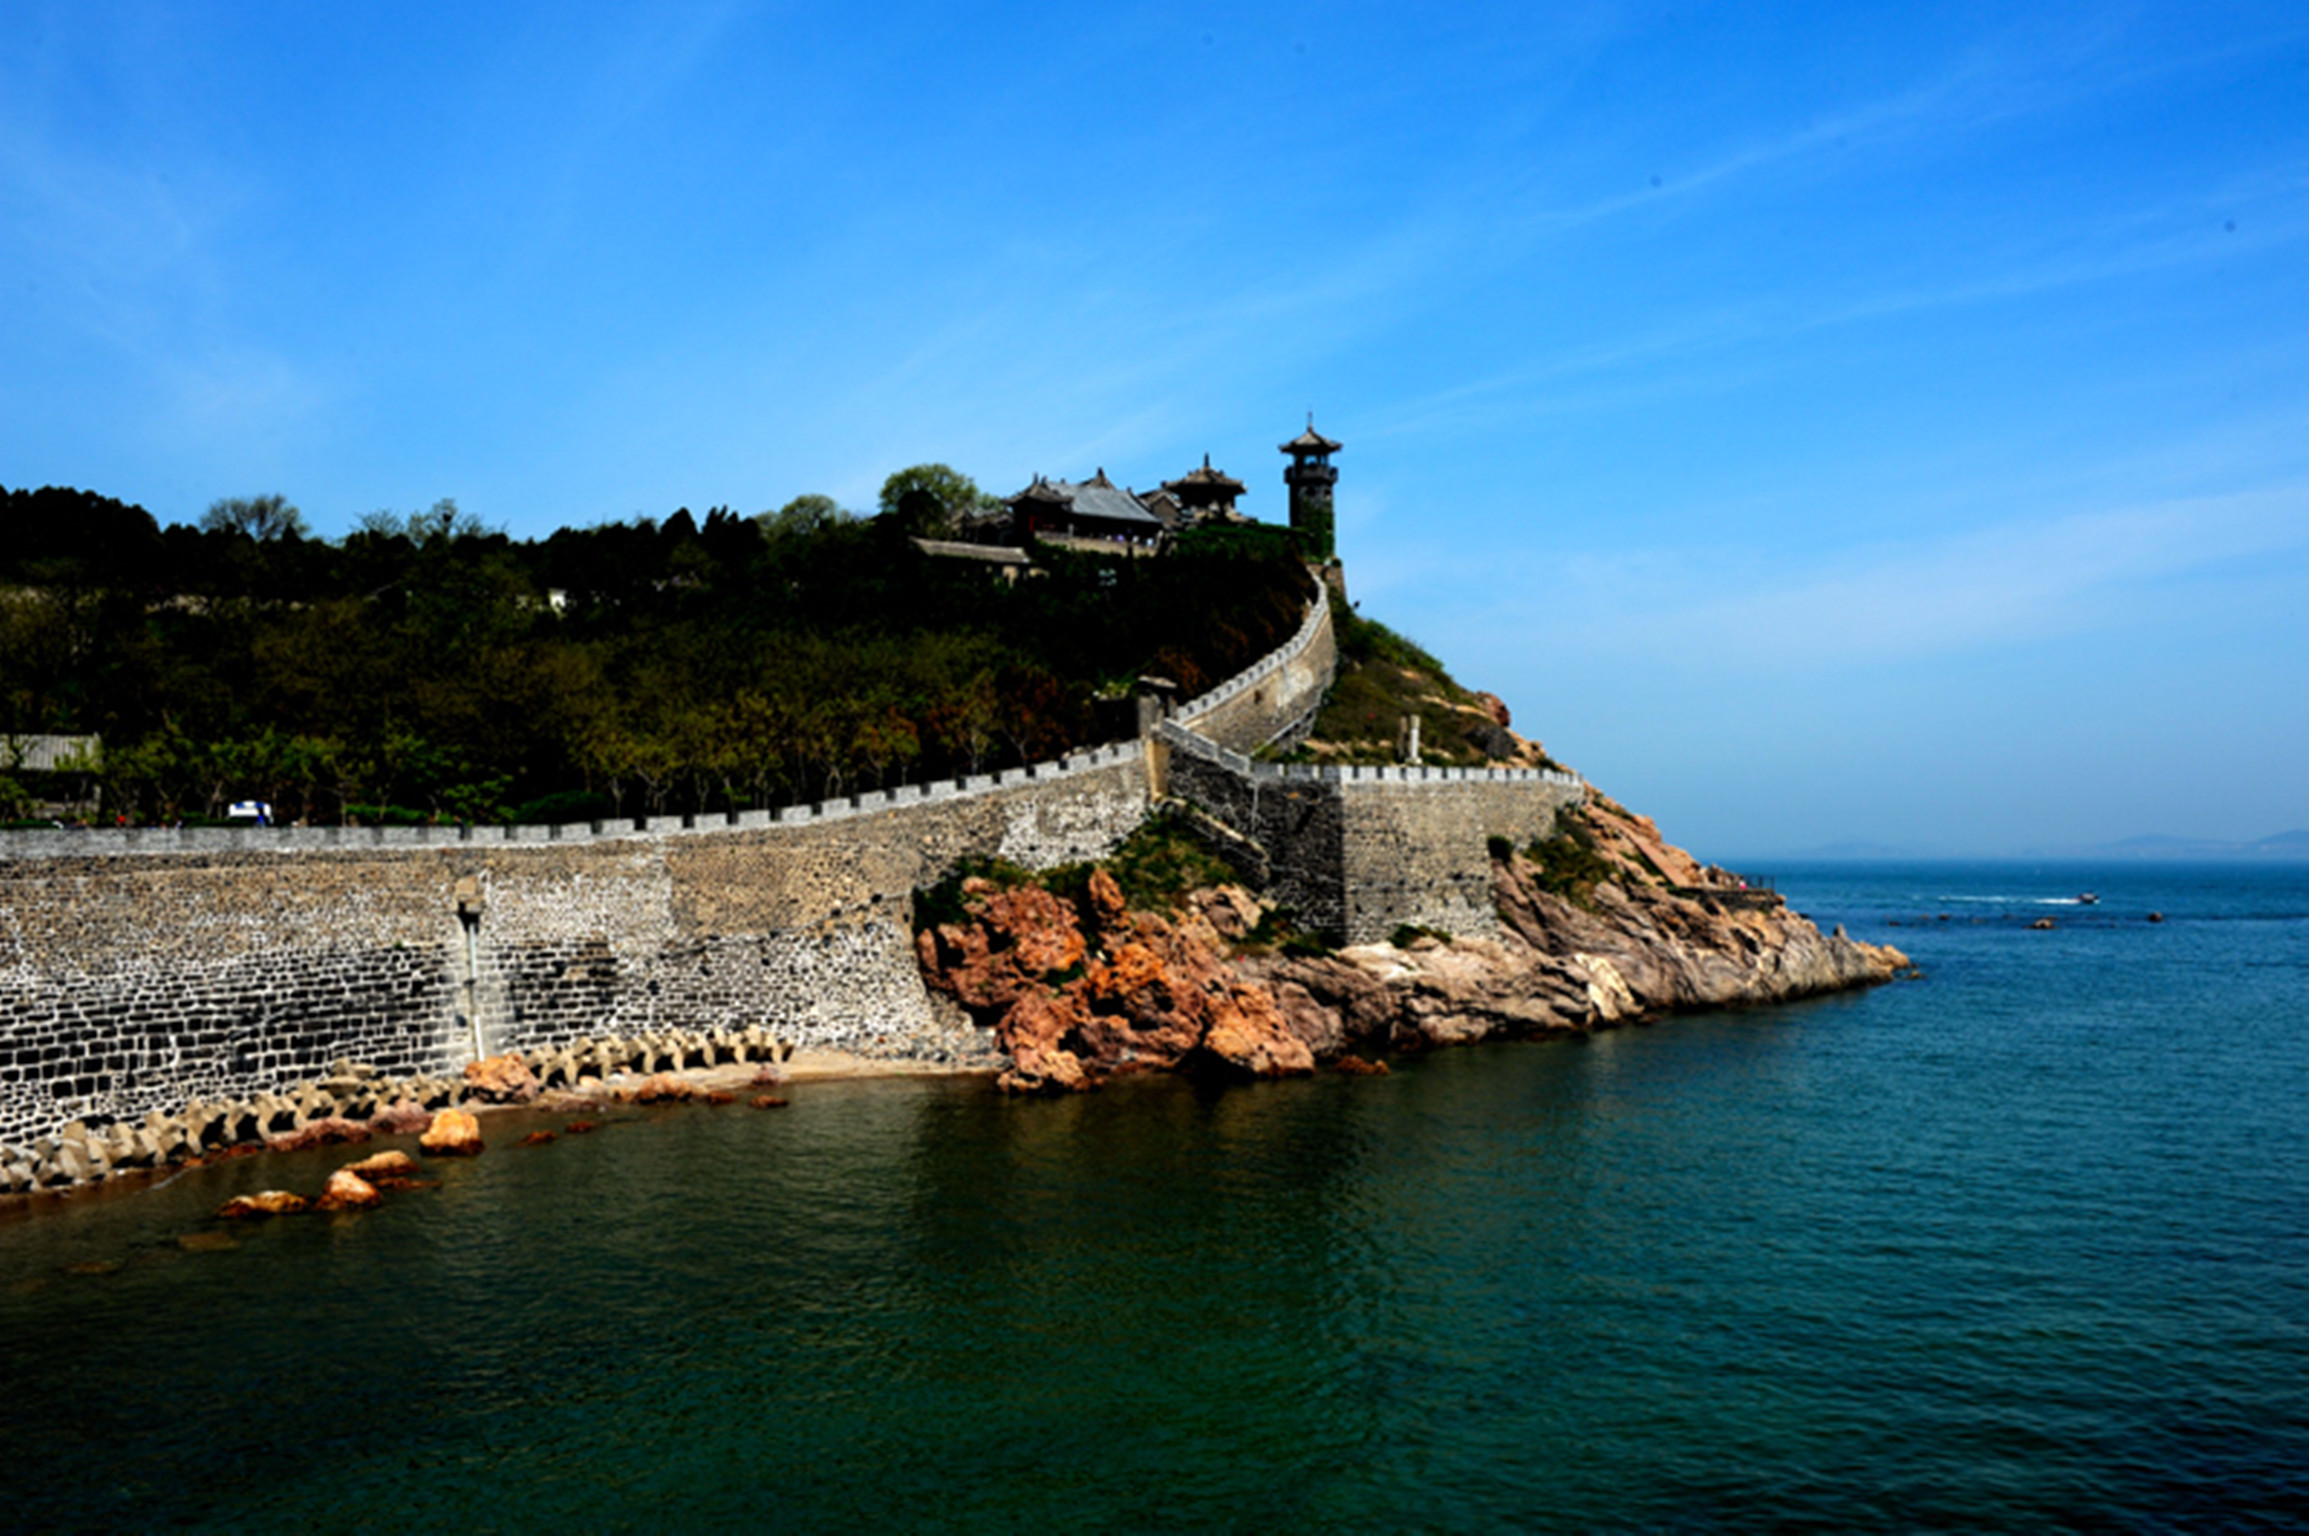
(425, 666)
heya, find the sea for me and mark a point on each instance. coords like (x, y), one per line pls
(2019, 1244)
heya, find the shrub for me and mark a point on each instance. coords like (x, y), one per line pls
(565, 809)
(1568, 864)
(941, 903)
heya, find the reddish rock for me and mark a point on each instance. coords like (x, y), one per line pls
(1495, 707)
(501, 1080)
(1014, 940)
(1106, 901)
(719, 1098)
(1153, 994)
(1231, 911)
(331, 1131)
(665, 1088)
(1356, 1066)
(348, 1191)
(1033, 1071)
(269, 1202)
(769, 1076)
(1248, 1035)
(766, 1101)
(1034, 1031)
(384, 1165)
(453, 1133)
(403, 1117)
(536, 1139)
(577, 1128)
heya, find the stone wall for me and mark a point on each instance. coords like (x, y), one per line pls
(1418, 850)
(1356, 852)
(141, 970)
(1298, 824)
(1276, 699)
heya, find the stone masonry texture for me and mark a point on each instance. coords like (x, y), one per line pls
(138, 981)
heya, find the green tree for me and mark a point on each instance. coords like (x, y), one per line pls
(804, 516)
(262, 518)
(927, 498)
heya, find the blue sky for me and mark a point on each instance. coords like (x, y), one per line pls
(1820, 423)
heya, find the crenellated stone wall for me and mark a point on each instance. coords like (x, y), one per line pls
(1418, 850)
(1276, 699)
(1357, 852)
(138, 979)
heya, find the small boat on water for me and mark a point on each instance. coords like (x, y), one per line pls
(2087, 899)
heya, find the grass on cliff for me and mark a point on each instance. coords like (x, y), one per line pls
(1568, 864)
(1382, 677)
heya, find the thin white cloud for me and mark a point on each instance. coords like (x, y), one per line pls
(1729, 610)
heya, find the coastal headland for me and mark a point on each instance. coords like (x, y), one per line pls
(168, 993)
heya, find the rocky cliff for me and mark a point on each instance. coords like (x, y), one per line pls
(1606, 923)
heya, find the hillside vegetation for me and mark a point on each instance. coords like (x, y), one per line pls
(425, 666)
(1384, 680)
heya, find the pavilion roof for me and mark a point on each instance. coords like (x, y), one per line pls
(1205, 478)
(1096, 497)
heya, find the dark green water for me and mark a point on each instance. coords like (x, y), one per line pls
(2023, 1244)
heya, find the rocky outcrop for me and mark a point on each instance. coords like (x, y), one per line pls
(1609, 925)
(1077, 991)
(1630, 952)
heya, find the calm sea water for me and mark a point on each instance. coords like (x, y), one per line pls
(2024, 1243)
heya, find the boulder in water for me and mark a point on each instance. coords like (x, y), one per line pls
(348, 1191)
(501, 1080)
(665, 1088)
(385, 1165)
(453, 1133)
(401, 1118)
(267, 1202)
(332, 1130)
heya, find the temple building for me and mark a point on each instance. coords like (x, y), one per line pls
(1098, 514)
(1096, 508)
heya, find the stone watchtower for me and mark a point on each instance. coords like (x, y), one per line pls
(1310, 478)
